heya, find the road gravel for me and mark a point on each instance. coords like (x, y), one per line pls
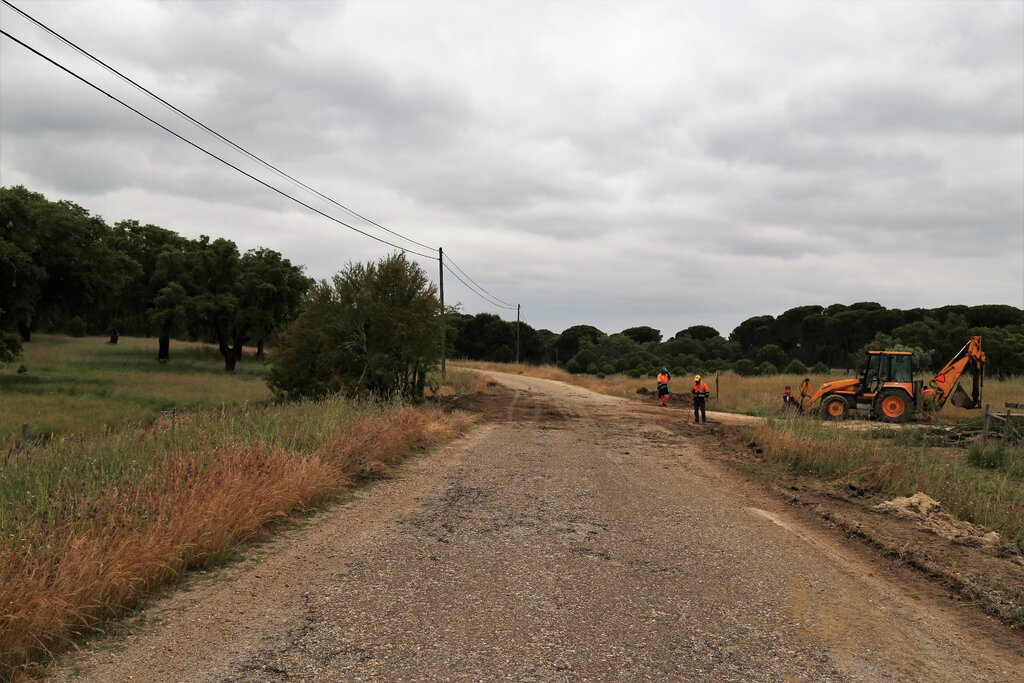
(576, 539)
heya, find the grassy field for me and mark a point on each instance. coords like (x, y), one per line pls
(86, 385)
(97, 516)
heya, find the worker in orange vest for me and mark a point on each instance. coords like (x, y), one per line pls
(663, 378)
(700, 391)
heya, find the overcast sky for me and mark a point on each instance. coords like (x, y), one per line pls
(614, 163)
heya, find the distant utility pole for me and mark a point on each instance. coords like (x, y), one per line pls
(517, 334)
(440, 270)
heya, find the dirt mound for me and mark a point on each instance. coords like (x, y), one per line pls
(930, 514)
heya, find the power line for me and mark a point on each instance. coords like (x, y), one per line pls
(476, 283)
(186, 116)
(470, 288)
(479, 290)
(206, 151)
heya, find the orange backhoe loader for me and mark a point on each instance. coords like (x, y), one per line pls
(888, 390)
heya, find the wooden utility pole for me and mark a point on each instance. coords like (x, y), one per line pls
(517, 334)
(440, 270)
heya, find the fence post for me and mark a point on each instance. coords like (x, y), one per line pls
(984, 431)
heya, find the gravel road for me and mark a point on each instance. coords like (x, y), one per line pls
(578, 539)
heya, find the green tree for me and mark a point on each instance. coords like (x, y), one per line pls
(643, 334)
(698, 332)
(269, 290)
(374, 330)
(745, 367)
(771, 353)
(568, 343)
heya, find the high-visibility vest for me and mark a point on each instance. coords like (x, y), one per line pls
(663, 378)
(701, 387)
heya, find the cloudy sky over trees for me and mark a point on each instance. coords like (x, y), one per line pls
(615, 164)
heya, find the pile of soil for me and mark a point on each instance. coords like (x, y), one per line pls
(928, 513)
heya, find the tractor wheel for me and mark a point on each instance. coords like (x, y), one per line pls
(893, 405)
(835, 408)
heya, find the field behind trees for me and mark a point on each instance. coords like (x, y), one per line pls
(86, 385)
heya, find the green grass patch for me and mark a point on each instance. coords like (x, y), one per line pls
(85, 385)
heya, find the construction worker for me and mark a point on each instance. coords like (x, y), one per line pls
(663, 378)
(700, 391)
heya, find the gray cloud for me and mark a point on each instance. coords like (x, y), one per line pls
(609, 163)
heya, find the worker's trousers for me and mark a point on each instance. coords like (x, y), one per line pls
(699, 410)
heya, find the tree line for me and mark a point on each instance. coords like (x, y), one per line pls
(375, 328)
(800, 339)
(63, 269)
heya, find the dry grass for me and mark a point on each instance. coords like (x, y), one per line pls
(108, 519)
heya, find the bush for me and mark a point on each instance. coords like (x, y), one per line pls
(634, 373)
(795, 367)
(592, 369)
(607, 369)
(745, 367)
(767, 368)
(10, 347)
(991, 457)
(820, 368)
(573, 367)
(75, 327)
(375, 331)
(771, 353)
(622, 364)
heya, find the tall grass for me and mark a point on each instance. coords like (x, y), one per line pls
(90, 524)
(87, 385)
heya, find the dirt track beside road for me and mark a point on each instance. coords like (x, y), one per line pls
(578, 538)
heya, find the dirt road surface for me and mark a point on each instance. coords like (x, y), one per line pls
(578, 539)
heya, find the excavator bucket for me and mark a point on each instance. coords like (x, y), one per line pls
(961, 399)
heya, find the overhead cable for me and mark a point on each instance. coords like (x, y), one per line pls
(475, 282)
(194, 121)
(209, 153)
(475, 291)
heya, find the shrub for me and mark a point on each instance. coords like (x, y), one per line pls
(375, 331)
(573, 367)
(745, 367)
(592, 369)
(990, 457)
(607, 369)
(795, 367)
(771, 353)
(767, 368)
(75, 327)
(820, 368)
(10, 347)
(634, 373)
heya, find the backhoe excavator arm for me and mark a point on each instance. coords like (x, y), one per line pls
(970, 357)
